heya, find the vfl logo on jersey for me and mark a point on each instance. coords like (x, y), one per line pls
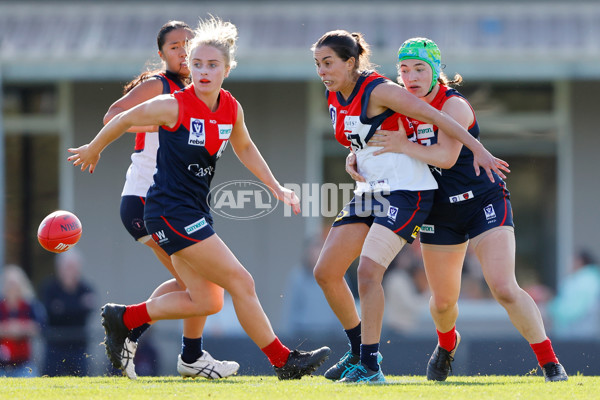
(160, 237)
(333, 115)
(392, 213)
(196, 226)
(461, 197)
(197, 134)
(415, 232)
(225, 131)
(427, 228)
(489, 212)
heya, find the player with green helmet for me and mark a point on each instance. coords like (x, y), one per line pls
(468, 211)
(425, 50)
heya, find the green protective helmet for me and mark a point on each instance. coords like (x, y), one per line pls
(425, 50)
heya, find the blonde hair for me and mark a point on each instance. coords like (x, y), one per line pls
(218, 34)
(13, 274)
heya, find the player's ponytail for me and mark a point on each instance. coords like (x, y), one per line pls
(347, 45)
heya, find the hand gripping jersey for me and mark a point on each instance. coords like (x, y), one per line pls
(143, 160)
(386, 172)
(458, 183)
(188, 152)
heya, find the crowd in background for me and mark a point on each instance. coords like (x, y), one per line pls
(58, 317)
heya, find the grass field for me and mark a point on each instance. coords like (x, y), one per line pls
(316, 387)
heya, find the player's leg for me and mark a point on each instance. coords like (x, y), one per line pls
(495, 249)
(211, 260)
(342, 246)
(443, 267)
(380, 247)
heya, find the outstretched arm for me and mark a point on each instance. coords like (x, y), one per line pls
(248, 154)
(144, 91)
(161, 110)
(395, 97)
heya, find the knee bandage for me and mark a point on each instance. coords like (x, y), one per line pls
(382, 245)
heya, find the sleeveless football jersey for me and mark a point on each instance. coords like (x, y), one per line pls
(143, 160)
(458, 183)
(385, 172)
(188, 152)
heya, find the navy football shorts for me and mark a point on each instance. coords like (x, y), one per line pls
(455, 223)
(402, 211)
(132, 215)
(174, 233)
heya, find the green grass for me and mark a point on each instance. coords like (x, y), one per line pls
(317, 387)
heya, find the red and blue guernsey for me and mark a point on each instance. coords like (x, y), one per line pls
(143, 160)
(187, 155)
(386, 172)
(458, 183)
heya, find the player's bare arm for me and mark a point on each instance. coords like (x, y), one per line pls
(161, 110)
(250, 156)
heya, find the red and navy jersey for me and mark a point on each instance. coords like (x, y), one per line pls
(171, 83)
(354, 128)
(188, 152)
(458, 183)
(356, 106)
(15, 350)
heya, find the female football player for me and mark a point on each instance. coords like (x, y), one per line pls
(389, 206)
(195, 126)
(467, 208)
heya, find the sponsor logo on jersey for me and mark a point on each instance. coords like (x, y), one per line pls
(333, 115)
(196, 226)
(138, 224)
(415, 232)
(427, 228)
(461, 197)
(197, 134)
(351, 122)
(341, 215)
(489, 211)
(392, 213)
(199, 171)
(425, 131)
(225, 131)
(160, 237)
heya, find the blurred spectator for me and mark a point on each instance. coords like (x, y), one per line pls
(20, 320)
(305, 309)
(69, 301)
(406, 291)
(575, 311)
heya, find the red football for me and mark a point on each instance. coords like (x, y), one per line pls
(59, 231)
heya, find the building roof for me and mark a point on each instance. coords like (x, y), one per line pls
(108, 40)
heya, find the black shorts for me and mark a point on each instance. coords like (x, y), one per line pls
(174, 233)
(402, 211)
(132, 215)
(455, 223)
